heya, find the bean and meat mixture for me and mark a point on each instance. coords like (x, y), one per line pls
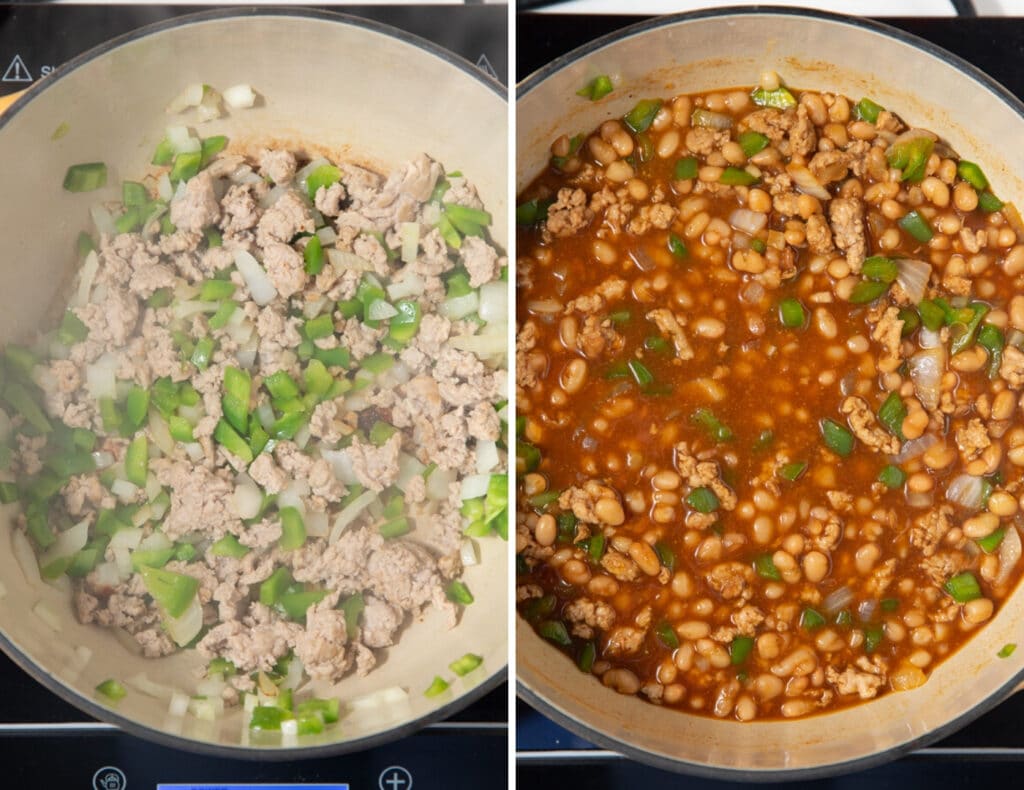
(268, 425)
(770, 452)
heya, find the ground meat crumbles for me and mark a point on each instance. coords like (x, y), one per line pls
(768, 372)
(271, 412)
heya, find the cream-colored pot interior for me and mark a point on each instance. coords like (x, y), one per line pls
(927, 88)
(346, 86)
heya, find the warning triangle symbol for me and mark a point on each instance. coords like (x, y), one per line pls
(485, 66)
(17, 71)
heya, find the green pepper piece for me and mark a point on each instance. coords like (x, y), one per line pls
(313, 256)
(293, 530)
(404, 326)
(991, 338)
(288, 425)
(267, 718)
(72, 330)
(353, 607)
(228, 546)
(917, 226)
(811, 619)
(703, 500)
(226, 436)
(892, 413)
(112, 690)
(892, 476)
(224, 312)
(216, 290)
(740, 649)
(677, 247)
(867, 291)
(867, 110)
(235, 401)
(989, 203)
(136, 461)
(793, 471)
(173, 591)
(328, 709)
(972, 174)
(752, 142)
(458, 592)
(765, 567)
(19, 399)
(186, 165)
(837, 438)
(295, 604)
(150, 558)
(597, 88)
(85, 177)
(780, 98)
(792, 314)
(686, 168)
(323, 176)
(736, 176)
(437, 687)
(164, 153)
(201, 353)
(210, 147)
(640, 118)
(275, 586)
(963, 587)
(465, 664)
(911, 156)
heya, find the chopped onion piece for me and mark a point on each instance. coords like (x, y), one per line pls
(929, 338)
(124, 490)
(913, 277)
(350, 513)
(240, 97)
(747, 221)
(926, 369)
(438, 484)
(837, 600)
(68, 542)
(807, 183)
(408, 469)
(379, 699)
(273, 196)
(342, 463)
(211, 708)
(317, 524)
(209, 107)
(184, 629)
(409, 235)
(411, 284)
(327, 235)
(100, 377)
(259, 284)
(487, 344)
(178, 706)
(711, 120)
(459, 306)
(469, 553)
(157, 541)
(248, 500)
(340, 259)
(150, 688)
(486, 456)
(194, 450)
(474, 486)
(866, 610)
(182, 141)
(379, 309)
(494, 301)
(106, 575)
(164, 188)
(294, 495)
(1009, 554)
(915, 448)
(46, 615)
(26, 557)
(966, 490)
(192, 96)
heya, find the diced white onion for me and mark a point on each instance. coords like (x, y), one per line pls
(46, 615)
(317, 524)
(340, 259)
(123, 562)
(929, 338)
(837, 600)
(915, 448)
(486, 456)
(380, 310)
(211, 687)
(184, 629)
(327, 235)
(747, 221)
(926, 369)
(67, 543)
(178, 706)
(209, 709)
(106, 575)
(142, 515)
(486, 344)
(126, 539)
(259, 284)
(438, 483)
(1009, 554)
(240, 97)
(866, 610)
(103, 220)
(710, 120)
(966, 490)
(209, 107)
(26, 557)
(411, 284)
(459, 306)
(294, 495)
(273, 196)
(188, 309)
(494, 301)
(350, 513)
(807, 183)
(409, 235)
(248, 500)
(408, 468)
(100, 377)
(913, 277)
(160, 433)
(190, 97)
(164, 188)
(474, 486)
(194, 451)
(342, 464)
(124, 490)
(156, 541)
(379, 699)
(469, 553)
(142, 683)
(182, 141)
(302, 437)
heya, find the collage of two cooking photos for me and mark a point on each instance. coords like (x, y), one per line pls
(480, 396)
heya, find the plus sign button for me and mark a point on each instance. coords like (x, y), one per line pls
(395, 778)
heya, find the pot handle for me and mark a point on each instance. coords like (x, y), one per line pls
(7, 101)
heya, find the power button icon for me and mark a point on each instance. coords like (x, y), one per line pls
(395, 778)
(109, 778)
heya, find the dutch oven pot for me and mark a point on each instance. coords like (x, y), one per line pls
(927, 87)
(349, 87)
